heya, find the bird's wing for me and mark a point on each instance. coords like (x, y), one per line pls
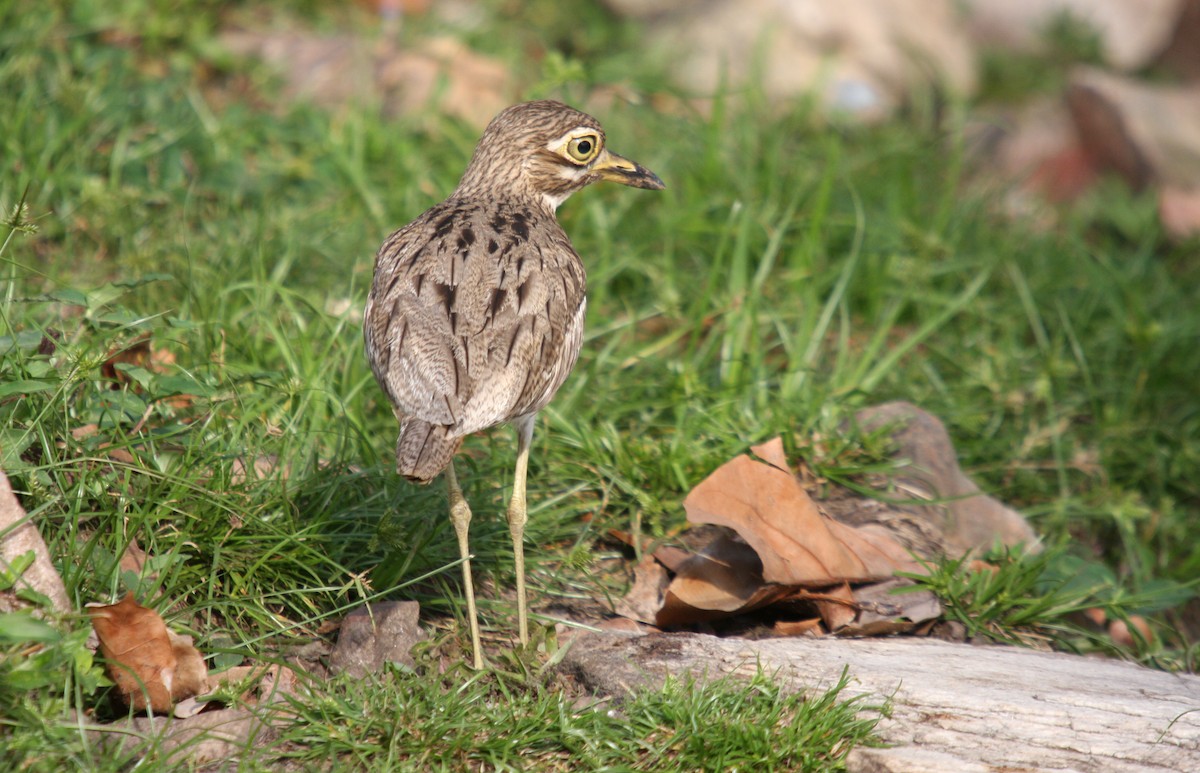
(470, 324)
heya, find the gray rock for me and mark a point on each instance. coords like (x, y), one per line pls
(376, 634)
(967, 519)
(20, 536)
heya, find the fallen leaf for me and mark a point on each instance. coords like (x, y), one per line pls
(671, 557)
(810, 627)
(625, 537)
(837, 606)
(645, 596)
(976, 566)
(188, 707)
(261, 467)
(1179, 211)
(85, 431)
(639, 543)
(138, 353)
(882, 612)
(724, 578)
(133, 559)
(135, 353)
(119, 455)
(1121, 635)
(151, 665)
(763, 502)
(262, 680)
(624, 625)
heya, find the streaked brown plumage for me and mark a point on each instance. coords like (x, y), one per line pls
(475, 315)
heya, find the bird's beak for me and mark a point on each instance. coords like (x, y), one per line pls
(612, 167)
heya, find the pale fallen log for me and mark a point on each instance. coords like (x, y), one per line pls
(955, 707)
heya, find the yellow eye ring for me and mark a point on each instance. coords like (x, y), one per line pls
(584, 148)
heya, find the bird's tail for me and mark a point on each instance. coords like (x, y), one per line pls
(423, 450)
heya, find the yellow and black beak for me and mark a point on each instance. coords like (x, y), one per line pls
(612, 167)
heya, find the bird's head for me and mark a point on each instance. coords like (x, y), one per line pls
(547, 150)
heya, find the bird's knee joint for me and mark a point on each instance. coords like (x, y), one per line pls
(460, 514)
(517, 516)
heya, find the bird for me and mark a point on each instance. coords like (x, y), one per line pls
(475, 313)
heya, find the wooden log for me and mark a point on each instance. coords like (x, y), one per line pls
(955, 707)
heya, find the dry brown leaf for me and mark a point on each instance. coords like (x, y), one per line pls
(837, 607)
(133, 559)
(119, 455)
(773, 545)
(139, 353)
(640, 543)
(724, 578)
(151, 665)
(625, 537)
(625, 625)
(1121, 635)
(116, 454)
(882, 612)
(810, 627)
(645, 596)
(85, 431)
(764, 503)
(136, 353)
(976, 566)
(261, 680)
(143, 355)
(671, 557)
(188, 707)
(260, 467)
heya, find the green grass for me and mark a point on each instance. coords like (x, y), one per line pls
(790, 274)
(1045, 600)
(460, 721)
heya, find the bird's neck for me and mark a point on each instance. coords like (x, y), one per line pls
(516, 197)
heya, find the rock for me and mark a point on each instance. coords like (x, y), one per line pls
(214, 738)
(1179, 211)
(1149, 134)
(20, 536)
(1038, 148)
(1182, 55)
(203, 739)
(955, 707)
(970, 520)
(860, 58)
(340, 70)
(443, 71)
(1132, 35)
(379, 633)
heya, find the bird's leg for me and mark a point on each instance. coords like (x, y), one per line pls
(517, 516)
(460, 517)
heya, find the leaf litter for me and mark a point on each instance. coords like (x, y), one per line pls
(774, 549)
(152, 666)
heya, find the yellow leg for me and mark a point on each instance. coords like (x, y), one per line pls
(460, 517)
(517, 516)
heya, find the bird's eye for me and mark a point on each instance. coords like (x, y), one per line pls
(583, 149)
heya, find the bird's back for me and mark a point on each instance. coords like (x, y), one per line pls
(475, 318)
